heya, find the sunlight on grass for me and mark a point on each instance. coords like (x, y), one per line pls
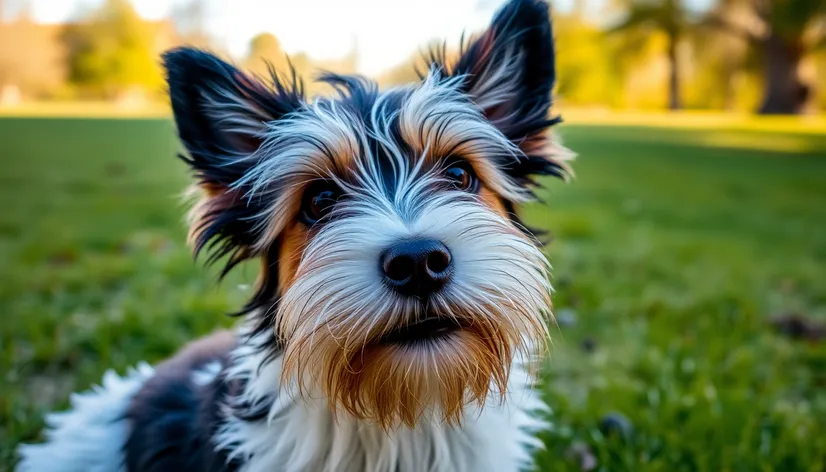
(815, 124)
(777, 142)
(86, 110)
(673, 249)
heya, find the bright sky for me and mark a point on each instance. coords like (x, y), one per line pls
(386, 31)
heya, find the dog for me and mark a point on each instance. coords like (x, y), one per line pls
(401, 302)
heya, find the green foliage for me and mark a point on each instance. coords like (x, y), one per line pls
(819, 66)
(791, 19)
(588, 71)
(797, 23)
(112, 51)
(662, 52)
(668, 16)
(616, 54)
(672, 248)
(724, 76)
(644, 17)
(782, 35)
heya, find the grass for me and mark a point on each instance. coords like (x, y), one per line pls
(672, 251)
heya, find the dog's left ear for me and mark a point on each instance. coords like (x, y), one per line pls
(509, 72)
(222, 115)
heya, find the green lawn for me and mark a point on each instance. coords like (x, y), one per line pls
(673, 250)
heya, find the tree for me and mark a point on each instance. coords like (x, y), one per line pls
(587, 72)
(404, 73)
(668, 17)
(112, 51)
(783, 32)
(265, 52)
(723, 74)
(35, 70)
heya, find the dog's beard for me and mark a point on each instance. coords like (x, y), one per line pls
(343, 330)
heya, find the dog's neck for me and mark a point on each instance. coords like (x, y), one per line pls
(272, 428)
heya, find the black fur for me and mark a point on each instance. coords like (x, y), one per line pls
(173, 420)
(217, 152)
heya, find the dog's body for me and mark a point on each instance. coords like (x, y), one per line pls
(180, 421)
(400, 298)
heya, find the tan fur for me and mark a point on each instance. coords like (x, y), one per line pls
(293, 241)
(389, 383)
(492, 201)
(345, 359)
(435, 142)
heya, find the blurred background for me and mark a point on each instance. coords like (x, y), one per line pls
(766, 56)
(689, 253)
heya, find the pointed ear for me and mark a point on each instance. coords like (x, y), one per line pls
(509, 69)
(509, 72)
(222, 116)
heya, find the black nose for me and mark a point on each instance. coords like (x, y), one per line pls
(416, 267)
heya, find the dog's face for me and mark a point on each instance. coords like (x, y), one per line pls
(396, 277)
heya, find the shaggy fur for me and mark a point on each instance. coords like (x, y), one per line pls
(335, 367)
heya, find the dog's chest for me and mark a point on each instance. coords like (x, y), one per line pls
(299, 437)
(314, 441)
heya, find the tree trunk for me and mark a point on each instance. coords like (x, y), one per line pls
(674, 102)
(729, 97)
(783, 91)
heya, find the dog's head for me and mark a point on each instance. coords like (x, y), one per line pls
(396, 276)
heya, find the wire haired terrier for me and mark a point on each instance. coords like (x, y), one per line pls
(400, 300)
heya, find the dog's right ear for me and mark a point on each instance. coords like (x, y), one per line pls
(222, 114)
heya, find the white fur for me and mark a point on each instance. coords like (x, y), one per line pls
(206, 374)
(304, 435)
(495, 264)
(438, 115)
(300, 435)
(341, 290)
(324, 138)
(91, 436)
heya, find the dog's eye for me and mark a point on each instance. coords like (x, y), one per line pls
(319, 199)
(462, 177)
